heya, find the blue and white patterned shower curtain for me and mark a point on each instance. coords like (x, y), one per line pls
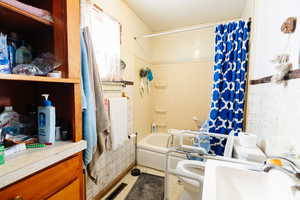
(230, 72)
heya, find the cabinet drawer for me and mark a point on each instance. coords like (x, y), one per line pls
(45, 183)
(71, 192)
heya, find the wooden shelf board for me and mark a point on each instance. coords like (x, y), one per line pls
(16, 77)
(291, 75)
(24, 13)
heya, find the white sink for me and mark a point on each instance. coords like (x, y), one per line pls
(228, 181)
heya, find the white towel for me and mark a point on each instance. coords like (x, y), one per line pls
(119, 121)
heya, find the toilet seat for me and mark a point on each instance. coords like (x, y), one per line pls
(185, 167)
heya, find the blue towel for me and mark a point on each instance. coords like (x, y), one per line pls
(88, 106)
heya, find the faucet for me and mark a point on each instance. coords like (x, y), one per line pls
(293, 170)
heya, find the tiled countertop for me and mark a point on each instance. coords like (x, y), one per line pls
(25, 163)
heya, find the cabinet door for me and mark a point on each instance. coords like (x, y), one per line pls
(47, 182)
(70, 192)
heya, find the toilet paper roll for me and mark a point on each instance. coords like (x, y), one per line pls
(131, 136)
(247, 140)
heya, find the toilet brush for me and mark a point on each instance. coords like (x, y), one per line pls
(135, 171)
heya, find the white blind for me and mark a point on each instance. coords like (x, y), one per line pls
(105, 33)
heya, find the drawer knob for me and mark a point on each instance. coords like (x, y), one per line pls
(18, 198)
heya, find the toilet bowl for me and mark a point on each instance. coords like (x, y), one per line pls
(192, 188)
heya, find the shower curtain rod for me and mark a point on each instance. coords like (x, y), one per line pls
(182, 30)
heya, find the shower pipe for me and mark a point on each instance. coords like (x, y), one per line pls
(203, 26)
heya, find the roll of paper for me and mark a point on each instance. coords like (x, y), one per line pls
(247, 140)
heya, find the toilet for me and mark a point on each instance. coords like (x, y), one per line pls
(192, 188)
(194, 168)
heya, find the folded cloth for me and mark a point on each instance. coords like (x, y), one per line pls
(30, 9)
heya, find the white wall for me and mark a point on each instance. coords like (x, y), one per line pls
(185, 47)
(273, 110)
(184, 63)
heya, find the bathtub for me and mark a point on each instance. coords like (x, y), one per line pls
(151, 152)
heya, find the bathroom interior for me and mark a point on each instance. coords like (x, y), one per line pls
(149, 100)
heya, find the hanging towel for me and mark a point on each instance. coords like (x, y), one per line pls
(119, 121)
(102, 121)
(88, 106)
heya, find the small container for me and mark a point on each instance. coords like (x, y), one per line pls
(153, 128)
(57, 133)
(54, 74)
(2, 155)
(23, 55)
(65, 135)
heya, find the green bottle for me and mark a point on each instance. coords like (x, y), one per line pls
(2, 155)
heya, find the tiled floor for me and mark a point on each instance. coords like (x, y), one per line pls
(175, 188)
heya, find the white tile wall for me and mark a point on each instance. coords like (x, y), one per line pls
(112, 164)
(274, 115)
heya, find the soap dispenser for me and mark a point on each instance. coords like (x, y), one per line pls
(46, 121)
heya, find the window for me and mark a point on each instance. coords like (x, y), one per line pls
(105, 33)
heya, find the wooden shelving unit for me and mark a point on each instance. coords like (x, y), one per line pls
(16, 77)
(16, 11)
(61, 38)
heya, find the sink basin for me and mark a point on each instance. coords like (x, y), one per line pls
(228, 181)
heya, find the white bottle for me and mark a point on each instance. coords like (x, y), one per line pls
(153, 128)
(46, 121)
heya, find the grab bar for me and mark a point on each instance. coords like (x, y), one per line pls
(185, 133)
(196, 133)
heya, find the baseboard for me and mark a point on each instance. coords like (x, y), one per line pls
(103, 192)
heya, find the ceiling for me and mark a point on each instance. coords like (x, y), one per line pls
(162, 15)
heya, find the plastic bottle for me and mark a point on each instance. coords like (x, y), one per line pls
(12, 55)
(4, 58)
(7, 116)
(2, 155)
(46, 121)
(23, 55)
(153, 128)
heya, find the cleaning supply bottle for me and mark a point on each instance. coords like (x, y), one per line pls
(12, 55)
(4, 58)
(23, 55)
(46, 121)
(7, 116)
(153, 128)
(2, 155)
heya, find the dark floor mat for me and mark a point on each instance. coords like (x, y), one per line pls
(147, 187)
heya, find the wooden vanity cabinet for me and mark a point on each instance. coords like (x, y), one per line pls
(63, 181)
